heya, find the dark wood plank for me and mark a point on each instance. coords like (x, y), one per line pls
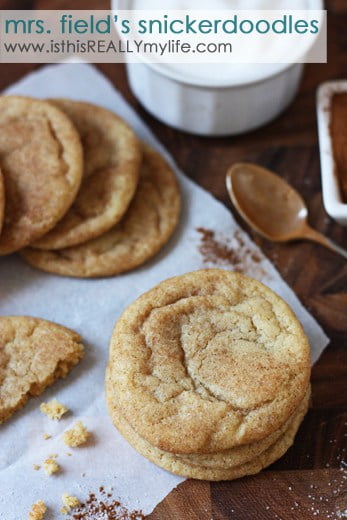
(310, 473)
(276, 495)
(189, 500)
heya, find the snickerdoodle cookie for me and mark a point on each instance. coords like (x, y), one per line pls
(205, 362)
(112, 156)
(143, 231)
(41, 159)
(222, 465)
(33, 354)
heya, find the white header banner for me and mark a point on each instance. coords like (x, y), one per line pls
(164, 36)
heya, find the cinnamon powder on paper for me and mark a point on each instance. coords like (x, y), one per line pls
(104, 507)
(217, 252)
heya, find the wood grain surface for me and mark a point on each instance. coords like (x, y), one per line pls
(309, 482)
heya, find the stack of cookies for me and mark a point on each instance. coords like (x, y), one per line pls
(80, 195)
(208, 375)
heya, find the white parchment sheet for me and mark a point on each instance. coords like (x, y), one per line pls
(91, 307)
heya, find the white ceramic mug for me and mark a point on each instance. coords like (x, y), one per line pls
(206, 107)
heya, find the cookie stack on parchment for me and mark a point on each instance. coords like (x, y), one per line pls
(208, 375)
(80, 195)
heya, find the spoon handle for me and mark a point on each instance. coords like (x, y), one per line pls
(315, 236)
(338, 249)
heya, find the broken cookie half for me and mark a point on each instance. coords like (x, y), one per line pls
(33, 354)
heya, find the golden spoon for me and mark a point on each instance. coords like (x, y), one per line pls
(271, 206)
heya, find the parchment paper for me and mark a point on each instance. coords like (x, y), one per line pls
(92, 307)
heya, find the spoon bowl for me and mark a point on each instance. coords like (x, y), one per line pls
(271, 206)
(267, 202)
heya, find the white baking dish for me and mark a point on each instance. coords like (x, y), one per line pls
(212, 107)
(332, 196)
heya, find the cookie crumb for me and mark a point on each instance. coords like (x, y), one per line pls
(76, 436)
(36, 467)
(47, 436)
(51, 466)
(70, 502)
(53, 409)
(38, 510)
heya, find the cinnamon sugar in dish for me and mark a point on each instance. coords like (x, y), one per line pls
(338, 131)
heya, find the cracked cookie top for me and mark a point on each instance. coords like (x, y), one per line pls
(145, 228)
(207, 361)
(41, 161)
(112, 156)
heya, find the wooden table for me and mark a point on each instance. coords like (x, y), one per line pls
(307, 483)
